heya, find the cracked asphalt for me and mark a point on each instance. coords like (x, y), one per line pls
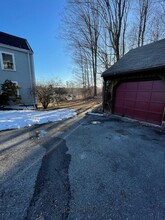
(98, 167)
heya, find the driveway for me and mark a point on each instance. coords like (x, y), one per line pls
(98, 167)
(117, 170)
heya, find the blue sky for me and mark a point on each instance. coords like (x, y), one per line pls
(38, 21)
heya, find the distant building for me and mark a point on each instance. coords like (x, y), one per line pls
(16, 64)
(135, 85)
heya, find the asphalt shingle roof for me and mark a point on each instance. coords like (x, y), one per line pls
(150, 56)
(14, 41)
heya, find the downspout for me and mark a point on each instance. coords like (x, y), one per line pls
(31, 78)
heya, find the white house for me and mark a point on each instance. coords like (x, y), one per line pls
(16, 64)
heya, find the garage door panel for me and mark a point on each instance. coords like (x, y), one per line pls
(128, 111)
(123, 86)
(140, 114)
(158, 86)
(158, 97)
(130, 95)
(145, 86)
(156, 107)
(129, 104)
(143, 96)
(143, 100)
(154, 118)
(132, 86)
(127, 95)
(139, 105)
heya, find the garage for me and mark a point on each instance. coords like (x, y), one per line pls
(134, 86)
(143, 100)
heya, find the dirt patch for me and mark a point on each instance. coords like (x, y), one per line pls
(79, 105)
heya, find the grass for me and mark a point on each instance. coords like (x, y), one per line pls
(79, 105)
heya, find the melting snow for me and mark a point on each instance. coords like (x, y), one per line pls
(22, 118)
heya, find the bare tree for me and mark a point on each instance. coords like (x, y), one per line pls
(114, 18)
(82, 22)
(148, 25)
(124, 29)
(161, 4)
(83, 60)
(105, 51)
(143, 8)
(100, 32)
(157, 23)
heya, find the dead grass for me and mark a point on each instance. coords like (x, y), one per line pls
(79, 105)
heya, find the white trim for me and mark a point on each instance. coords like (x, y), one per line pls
(31, 78)
(15, 48)
(2, 63)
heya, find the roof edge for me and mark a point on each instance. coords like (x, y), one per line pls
(18, 38)
(133, 71)
(16, 48)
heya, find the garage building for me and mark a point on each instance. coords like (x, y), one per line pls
(135, 85)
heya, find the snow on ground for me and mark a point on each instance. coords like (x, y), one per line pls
(21, 118)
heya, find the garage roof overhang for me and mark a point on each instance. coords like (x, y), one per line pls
(144, 59)
(150, 72)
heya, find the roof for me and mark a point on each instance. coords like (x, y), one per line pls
(14, 41)
(150, 56)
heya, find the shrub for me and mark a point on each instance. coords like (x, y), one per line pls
(10, 92)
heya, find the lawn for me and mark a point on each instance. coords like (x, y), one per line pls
(79, 105)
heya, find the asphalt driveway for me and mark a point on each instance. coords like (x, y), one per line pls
(117, 170)
(94, 167)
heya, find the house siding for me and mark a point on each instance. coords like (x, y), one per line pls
(24, 74)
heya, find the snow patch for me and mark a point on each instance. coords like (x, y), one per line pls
(95, 114)
(15, 119)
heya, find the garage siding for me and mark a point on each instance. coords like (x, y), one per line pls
(143, 100)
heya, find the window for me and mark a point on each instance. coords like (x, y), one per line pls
(7, 61)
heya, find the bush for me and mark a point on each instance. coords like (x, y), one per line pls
(44, 94)
(4, 99)
(10, 92)
(50, 92)
(60, 94)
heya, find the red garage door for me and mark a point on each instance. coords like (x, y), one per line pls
(143, 100)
